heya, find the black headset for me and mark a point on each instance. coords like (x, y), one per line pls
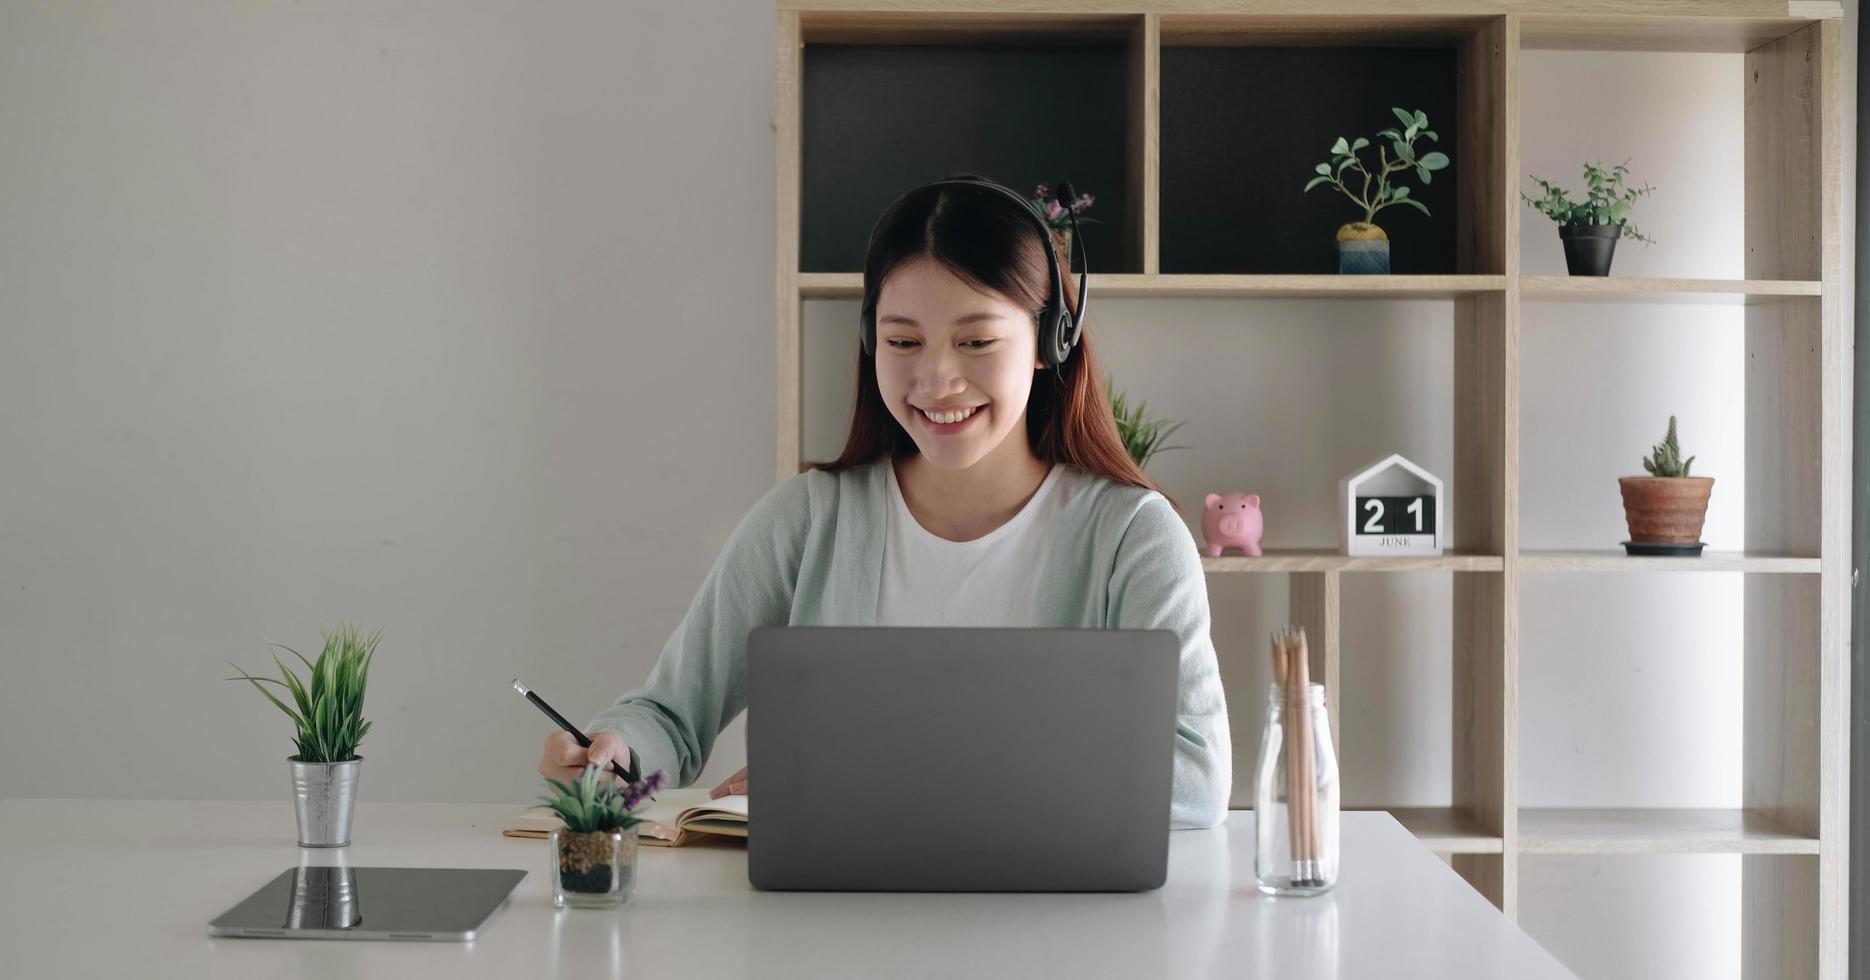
(1059, 331)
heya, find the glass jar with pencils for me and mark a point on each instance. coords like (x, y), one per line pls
(1295, 789)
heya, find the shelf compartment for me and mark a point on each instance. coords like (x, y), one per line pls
(889, 104)
(1446, 830)
(1711, 561)
(1277, 560)
(850, 285)
(1657, 831)
(1617, 289)
(1228, 151)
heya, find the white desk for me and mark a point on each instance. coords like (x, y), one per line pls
(126, 888)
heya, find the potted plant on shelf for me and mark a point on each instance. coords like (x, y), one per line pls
(593, 857)
(1362, 246)
(1589, 229)
(330, 722)
(1142, 436)
(1058, 219)
(1665, 510)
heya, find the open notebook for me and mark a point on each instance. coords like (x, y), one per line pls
(675, 818)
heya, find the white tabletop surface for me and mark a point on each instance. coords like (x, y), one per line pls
(127, 888)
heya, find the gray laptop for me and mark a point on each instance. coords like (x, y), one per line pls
(960, 759)
(371, 903)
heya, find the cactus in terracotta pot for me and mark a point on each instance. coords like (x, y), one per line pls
(1668, 507)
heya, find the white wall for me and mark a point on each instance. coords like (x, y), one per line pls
(442, 317)
(388, 312)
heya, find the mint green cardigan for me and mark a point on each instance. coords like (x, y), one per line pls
(810, 553)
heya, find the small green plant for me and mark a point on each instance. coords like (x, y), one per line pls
(330, 716)
(596, 803)
(1142, 436)
(1344, 160)
(1667, 458)
(1607, 200)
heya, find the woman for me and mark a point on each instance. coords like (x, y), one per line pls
(979, 486)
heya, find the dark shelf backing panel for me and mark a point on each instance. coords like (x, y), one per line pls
(879, 120)
(1243, 127)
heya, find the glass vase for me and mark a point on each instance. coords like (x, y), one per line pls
(1295, 796)
(594, 870)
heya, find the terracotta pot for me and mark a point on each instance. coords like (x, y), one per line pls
(1665, 510)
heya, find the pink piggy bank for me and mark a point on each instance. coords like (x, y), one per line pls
(1232, 521)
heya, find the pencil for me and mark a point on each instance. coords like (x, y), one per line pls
(1309, 826)
(615, 766)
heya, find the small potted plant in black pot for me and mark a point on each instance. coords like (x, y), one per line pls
(1666, 509)
(330, 722)
(1589, 229)
(1362, 246)
(593, 861)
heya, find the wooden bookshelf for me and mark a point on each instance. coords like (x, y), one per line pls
(1626, 290)
(1446, 830)
(1791, 828)
(1710, 561)
(1657, 831)
(850, 285)
(1278, 560)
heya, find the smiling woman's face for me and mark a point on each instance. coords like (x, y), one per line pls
(944, 347)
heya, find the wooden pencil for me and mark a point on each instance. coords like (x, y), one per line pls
(1282, 677)
(1302, 707)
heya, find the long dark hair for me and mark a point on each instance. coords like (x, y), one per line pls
(979, 236)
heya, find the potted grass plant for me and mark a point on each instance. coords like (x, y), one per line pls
(593, 857)
(1142, 436)
(327, 711)
(1589, 229)
(1666, 509)
(1362, 246)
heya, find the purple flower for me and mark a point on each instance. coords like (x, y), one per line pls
(1042, 191)
(1083, 201)
(1052, 210)
(635, 792)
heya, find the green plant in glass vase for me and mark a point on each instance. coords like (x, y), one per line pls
(594, 855)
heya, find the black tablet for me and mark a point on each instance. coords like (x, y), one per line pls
(371, 903)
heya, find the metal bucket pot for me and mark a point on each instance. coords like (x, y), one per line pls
(324, 794)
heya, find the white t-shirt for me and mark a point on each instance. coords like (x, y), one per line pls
(992, 580)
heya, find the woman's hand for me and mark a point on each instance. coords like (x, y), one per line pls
(565, 759)
(731, 786)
